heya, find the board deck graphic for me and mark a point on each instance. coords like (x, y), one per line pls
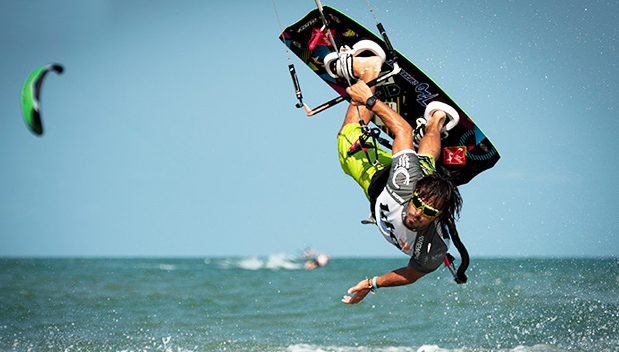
(466, 149)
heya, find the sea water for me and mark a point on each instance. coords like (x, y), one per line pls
(273, 304)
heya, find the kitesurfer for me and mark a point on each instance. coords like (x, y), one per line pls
(315, 259)
(408, 197)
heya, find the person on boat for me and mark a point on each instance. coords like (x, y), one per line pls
(315, 259)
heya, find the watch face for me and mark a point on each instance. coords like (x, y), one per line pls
(370, 102)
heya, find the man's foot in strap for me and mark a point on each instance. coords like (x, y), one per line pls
(450, 122)
(344, 64)
(452, 115)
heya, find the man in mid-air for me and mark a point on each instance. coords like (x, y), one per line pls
(409, 206)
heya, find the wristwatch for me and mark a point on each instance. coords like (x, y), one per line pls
(371, 102)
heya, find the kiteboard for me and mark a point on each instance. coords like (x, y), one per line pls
(466, 151)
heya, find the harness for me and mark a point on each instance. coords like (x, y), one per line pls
(367, 141)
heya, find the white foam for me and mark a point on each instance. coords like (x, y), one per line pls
(424, 348)
(166, 267)
(280, 261)
(251, 264)
(431, 348)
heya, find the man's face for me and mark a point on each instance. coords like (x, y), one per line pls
(417, 210)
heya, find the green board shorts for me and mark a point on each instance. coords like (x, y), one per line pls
(359, 167)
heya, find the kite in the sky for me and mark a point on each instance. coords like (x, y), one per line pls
(30, 96)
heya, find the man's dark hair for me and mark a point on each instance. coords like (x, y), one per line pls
(441, 191)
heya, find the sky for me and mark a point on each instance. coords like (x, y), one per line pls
(173, 131)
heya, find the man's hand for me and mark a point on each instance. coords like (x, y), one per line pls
(360, 291)
(359, 93)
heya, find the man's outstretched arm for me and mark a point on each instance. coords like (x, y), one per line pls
(399, 277)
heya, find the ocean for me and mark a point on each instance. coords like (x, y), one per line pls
(273, 304)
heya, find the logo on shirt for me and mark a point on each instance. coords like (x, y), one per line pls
(401, 168)
(418, 245)
(384, 208)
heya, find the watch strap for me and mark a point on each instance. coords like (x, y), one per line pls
(371, 102)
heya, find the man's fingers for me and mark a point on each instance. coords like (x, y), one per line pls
(359, 92)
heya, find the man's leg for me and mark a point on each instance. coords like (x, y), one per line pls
(430, 143)
(358, 166)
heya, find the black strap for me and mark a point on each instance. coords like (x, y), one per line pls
(460, 276)
(377, 184)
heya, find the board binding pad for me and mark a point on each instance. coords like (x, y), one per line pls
(466, 151)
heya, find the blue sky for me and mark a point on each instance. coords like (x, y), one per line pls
(173, 131)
